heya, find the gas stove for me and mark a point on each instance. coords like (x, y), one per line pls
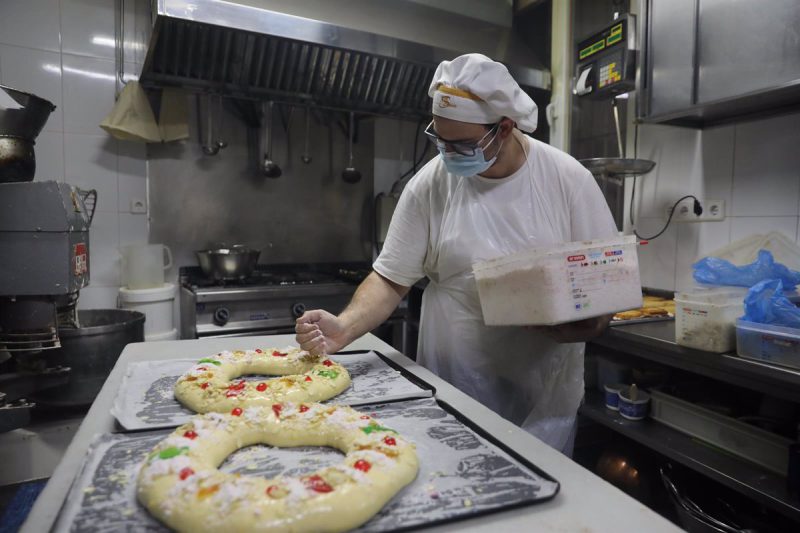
(266, 303)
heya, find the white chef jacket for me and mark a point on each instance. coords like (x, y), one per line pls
(444, 224)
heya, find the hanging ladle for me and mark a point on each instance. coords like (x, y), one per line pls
(210, 144)
(270, 168)
(350, 174)
(306, 157)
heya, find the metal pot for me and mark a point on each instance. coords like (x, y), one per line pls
(91, 351)
(236, 262)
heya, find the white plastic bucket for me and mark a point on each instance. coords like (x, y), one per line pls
(156, 304)
(168, 336)
(143, 265)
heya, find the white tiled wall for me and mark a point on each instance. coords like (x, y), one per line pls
(63, 50)
(753, 166)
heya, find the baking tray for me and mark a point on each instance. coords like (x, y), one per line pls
(648, 291)
(145, 398)
(641, 320)
(464, 473)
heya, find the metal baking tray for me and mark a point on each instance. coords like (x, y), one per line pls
(145, 400)
(647, 291)
(464, 472)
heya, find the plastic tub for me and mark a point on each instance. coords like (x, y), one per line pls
(633, 409)
(761, 447)
(778, 345)
(562, 283)
(156, 304)
(612, 395)
(705, 319)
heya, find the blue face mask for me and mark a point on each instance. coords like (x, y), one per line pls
(467, 165)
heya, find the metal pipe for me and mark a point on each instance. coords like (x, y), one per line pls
(616, 125)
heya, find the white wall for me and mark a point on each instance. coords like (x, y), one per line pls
(753, 166)
(64, 51)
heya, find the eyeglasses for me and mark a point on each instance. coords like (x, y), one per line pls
(460, 148)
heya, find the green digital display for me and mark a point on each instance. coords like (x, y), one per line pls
(602, 40)
(592, 49)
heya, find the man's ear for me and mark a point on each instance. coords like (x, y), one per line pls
(506, 127)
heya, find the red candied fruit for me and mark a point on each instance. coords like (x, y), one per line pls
(362, 465)
(189, 434)
(261, 387)
(237, 411)
(390, 441)
(185, 472)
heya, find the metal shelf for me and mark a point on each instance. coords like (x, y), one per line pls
(656, 342)
(747, 478)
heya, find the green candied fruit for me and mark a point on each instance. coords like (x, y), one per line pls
(169, 453)
(374, 428)
(207, 360)
(333, 374)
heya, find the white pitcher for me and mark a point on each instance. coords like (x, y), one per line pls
(143, 265)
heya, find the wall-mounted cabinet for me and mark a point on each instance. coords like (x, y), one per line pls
(713, 61)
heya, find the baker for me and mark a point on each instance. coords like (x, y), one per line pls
(491, 191)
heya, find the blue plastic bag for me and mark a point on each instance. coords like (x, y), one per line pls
(766, 304)
(716, 271)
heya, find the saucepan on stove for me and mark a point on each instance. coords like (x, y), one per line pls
(229, 262)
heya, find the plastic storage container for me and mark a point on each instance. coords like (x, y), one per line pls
(705, 319)
(611, 395)
(761, 447)
(778, 345)
(633, 409)
(558, 284)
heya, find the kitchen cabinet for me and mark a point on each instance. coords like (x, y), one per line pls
(670, 52)
(654, 342)
(745, 47)
(713, 61)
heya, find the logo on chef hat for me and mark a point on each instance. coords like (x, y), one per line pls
(444, 101)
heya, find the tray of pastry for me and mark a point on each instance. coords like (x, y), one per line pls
(464, 472)
(145, 399)
(658, 305)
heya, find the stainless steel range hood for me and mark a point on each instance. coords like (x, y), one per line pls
(370, 56)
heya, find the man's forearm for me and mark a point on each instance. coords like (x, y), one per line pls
(374, 301)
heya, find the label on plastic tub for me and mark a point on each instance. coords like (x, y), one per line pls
(559, 284)
(589, 277)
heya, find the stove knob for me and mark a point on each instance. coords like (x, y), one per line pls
(221, 316)
(298, 310)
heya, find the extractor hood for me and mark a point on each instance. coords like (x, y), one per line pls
(369, 56)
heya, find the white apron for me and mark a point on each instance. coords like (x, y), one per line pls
(517, 372)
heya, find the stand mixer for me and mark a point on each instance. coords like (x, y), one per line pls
(44, 244)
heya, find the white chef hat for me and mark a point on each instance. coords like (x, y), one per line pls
(473, 88)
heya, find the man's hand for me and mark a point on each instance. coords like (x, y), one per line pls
(320, 333)
(580, 331)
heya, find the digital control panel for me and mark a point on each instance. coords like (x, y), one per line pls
(605, 63)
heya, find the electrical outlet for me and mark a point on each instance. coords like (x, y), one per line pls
(713, 210)
(138, 206)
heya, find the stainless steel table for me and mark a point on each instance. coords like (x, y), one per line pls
(585, 503)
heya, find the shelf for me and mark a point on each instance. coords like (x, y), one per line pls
(747, 478)
(655, 341)
(756, 104)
